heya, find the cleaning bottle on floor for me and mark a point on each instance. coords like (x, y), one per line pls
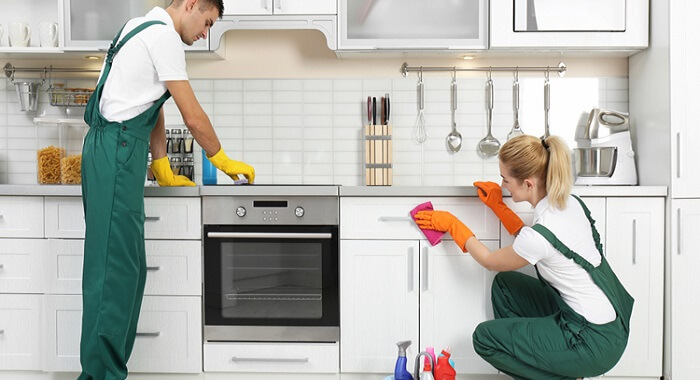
(443, 369)
(400, 371)
(427, 370)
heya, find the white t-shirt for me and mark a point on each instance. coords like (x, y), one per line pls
(574, 284)
(142, 66)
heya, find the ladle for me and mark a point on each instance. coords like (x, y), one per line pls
(516, 130)
(454, 139)
(489, 145)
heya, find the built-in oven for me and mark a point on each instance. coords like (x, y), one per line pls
(271, 268)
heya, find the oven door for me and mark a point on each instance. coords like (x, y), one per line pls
(271, 283)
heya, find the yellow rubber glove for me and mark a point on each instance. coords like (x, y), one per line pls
(164, 174)
(444, 221)
(491, 194)
(231, 167)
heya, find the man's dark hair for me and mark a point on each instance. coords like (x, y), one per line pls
(205, 5)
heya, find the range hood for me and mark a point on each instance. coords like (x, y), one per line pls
(324, 23)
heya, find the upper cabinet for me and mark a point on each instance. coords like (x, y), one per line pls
(91, 25)
(570, 24)
(21, 22)
(280, 7)
(412, 24)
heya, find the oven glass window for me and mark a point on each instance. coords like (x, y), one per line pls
(272, 280)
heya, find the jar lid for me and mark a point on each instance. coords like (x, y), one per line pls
(167, 132)
(187, 159)
(185, 131)
(176, 159)
(176, 130)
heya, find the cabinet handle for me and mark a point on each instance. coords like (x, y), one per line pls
(2, 331)
(154, 269)
(2, 266)
(634, 241)
(678, 155)
(409, 264)
(270, 360)
(680, 237)
(424, 268)
(147, 334)
(152, 218)
(395, 219)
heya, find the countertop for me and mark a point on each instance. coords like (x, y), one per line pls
(343, 191)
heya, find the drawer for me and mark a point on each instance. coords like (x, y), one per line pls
(21, 217)
(166, 218)
(389, 218)
(267, 357)
(20, 332)
(174, 267)
(22, 265)
(169, 337)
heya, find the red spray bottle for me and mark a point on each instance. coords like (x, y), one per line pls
(443, 369)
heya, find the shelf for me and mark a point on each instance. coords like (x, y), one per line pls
(66, 121)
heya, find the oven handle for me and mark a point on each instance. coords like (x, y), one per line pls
(270, 360)
(268, 235)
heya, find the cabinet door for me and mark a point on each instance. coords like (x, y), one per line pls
(684, 97)
(20, 331)
(64, 217)
(21, 217)
(412, 24)
(455, 296)
(378, 303)
(173, 218)
(22, 265)
(635, 251)
(685, 305)
(280, 7)
(248, 7)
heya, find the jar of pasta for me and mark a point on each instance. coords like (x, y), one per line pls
(59, 151)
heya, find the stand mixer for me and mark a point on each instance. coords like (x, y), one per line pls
(604, 154)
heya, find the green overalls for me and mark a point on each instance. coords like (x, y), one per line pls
(114, 268)
(536, 335)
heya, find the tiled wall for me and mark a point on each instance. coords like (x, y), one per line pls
(310, 131)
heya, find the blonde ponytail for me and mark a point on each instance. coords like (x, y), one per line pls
(547, 160)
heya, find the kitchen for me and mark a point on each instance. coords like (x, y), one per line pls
(291, 101)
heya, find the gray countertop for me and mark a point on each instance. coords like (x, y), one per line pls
(343, 191)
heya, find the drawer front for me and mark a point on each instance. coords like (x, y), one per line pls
(263, 357)
(173, 218)
(173, 267)
(22, 265)
(168, 335)
(20, 332)
(166, 218)
(389, 218)
(64, 217)
(21, 217)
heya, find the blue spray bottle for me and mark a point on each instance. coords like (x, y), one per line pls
(400, 372)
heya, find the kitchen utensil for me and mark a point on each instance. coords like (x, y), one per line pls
(28, 95)
(546, 104)
(48, 34)
(454, 138)
(489, 145)
(516, 130)
(19, 34)
(374, 111)
(419, 127)
(386, 97)
(369, 110)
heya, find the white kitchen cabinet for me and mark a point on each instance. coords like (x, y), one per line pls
(22, 265)
(412, 25)
(257, 357)
(21, 216)
(685, 304)
(168, 337)
(20, 332)
(31, 12)
(634, 249)
(569, 24)
(279, 7)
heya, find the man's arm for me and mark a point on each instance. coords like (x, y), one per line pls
(158, 148)
(194, 116)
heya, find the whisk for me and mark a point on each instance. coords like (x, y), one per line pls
(419, 129)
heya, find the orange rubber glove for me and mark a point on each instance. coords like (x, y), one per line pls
(444, 221)
(231, 167)
(164, 174)
(490, 193)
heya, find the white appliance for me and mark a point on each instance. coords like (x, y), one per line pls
(604, 154)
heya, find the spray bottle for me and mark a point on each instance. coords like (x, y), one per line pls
(443, 369)
(400, 372)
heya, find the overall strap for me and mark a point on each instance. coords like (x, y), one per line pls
(561, 247)
(596, 235)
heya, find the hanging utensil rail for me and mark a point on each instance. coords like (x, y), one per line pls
(10, 70)
(561, 68)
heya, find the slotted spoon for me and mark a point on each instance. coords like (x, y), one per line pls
(454, 138)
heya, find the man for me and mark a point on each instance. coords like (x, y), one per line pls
(143, 68)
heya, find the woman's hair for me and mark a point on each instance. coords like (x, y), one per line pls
(548, 160)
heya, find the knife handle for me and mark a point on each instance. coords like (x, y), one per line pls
(382, 112)
(374, 111)
(369, 109)
(386, 99)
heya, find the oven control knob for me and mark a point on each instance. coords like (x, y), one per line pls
(240, 211)
(299, 211)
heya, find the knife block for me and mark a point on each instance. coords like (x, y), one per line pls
(378, 155)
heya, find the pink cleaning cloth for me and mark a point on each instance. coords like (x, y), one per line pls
(434, 237)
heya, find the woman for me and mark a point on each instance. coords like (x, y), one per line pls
(574, 320)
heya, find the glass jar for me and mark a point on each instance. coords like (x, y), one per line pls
(59, 152)
(188, 141)
(176, 136)
(150, 178)
(188, 168)
(176, 165)
(168, 142)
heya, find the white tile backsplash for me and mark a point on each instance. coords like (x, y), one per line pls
(310, 130)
